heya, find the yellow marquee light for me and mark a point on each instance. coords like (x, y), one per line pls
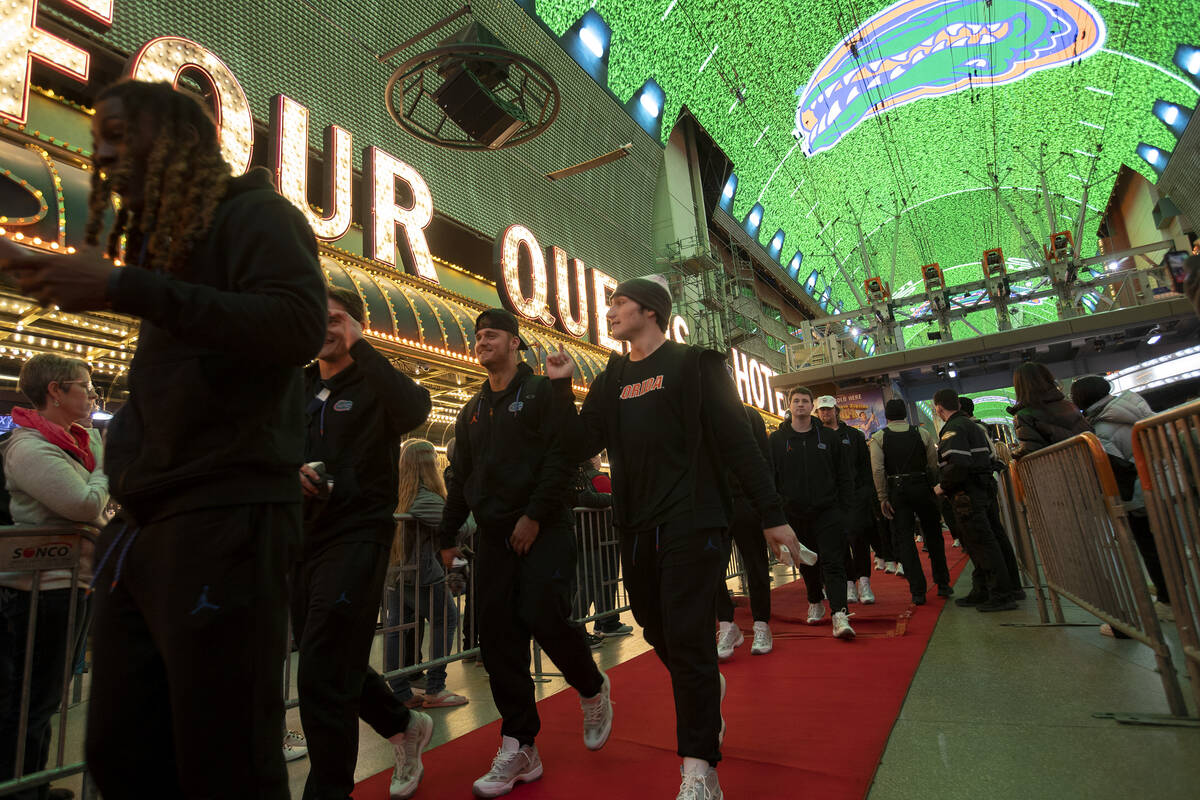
(289, 124)
(602, 287)
(383, 215)
(575, 324)
(24, 43)
(511, 241)
(167, 58)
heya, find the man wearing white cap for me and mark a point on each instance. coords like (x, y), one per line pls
(860, 518)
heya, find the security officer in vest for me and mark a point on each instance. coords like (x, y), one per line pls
(905, 467)
(965, 469)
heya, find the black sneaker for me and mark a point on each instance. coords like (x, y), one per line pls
(918, 599)
(999, 604)
(594, 640)
(971, 599)
(945, 591)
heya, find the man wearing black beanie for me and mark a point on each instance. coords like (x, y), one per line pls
(672, 423)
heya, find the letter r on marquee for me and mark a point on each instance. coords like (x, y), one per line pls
(23, 42)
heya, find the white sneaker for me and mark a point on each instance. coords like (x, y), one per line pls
(294, 746)
(841, 626)
(597, 717)
(956, 543)
(890, 567)
(408, 748)
(721, 734)
(816, 613)
(899, 569)
(851, 596)
(878, 562)
(513, 764)
(729, 637)
(865, 595)
(699, 786)
(920, 539)
(762, 643)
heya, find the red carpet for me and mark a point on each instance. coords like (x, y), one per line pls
(809, 720)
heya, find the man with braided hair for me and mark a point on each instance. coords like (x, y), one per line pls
(191, 612)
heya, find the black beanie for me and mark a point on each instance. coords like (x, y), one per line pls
(648, 294)
(895, 410)
(1087, 389)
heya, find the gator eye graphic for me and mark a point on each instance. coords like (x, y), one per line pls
(916, 49)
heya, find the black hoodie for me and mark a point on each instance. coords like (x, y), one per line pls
(216, 408)
(718, 437)
(507, 459)
(810, 473)
(356, 432)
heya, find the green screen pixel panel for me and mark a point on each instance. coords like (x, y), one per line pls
(842, 114)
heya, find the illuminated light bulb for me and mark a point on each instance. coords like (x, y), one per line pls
(26, 42)
(1152, 155)
(1193, 63)
(591, 41)
(168, 57)
(1170, 115)
(383, 215)
(289, 123)
(509, 246)
(649, 104)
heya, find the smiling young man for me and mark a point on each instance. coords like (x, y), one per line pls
(671, 421)
(359, 408)
(817, 487)
(191, 600)
(511, 471)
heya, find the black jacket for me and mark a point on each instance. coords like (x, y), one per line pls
(759, 430)
(356, 431)
(854, 444)
(508, 461)
(964, 455)
(216, 408)
(810, 472)
(1053, 420)
(720, 438)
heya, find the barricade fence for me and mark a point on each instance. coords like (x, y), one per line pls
(1078, 525)
(44, 615)
(1166, 449)
(1012, 515)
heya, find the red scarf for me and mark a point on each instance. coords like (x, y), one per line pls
(75, 441)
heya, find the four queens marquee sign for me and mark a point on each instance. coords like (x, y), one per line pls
(542, 285)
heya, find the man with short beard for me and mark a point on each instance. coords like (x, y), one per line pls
(191, 612)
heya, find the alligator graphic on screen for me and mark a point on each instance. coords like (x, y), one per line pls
(925, 48)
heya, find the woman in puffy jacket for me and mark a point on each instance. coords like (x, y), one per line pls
(415, 570)
(1113, 418)
(53, 475)
(1042, 415)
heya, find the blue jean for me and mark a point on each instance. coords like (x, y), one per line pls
(434, 605)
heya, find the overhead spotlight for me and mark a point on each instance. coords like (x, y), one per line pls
(1155, 336)
(953, 373)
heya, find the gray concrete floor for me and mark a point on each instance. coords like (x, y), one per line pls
(998, 711)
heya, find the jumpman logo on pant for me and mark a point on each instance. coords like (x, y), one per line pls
(342, 599)
(710, 545)
(202, 602)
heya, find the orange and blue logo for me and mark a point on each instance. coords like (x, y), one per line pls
(917, 49)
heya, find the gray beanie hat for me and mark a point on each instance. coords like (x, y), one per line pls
(649, 294)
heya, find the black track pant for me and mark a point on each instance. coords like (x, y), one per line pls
(522, 598)
(187, 652)
(1143, 537)
(335, 605)
(970, 508)
(823, 532)
(670, 572)
(912, 504)
(861, 522)
(881, 536)
(746, 532)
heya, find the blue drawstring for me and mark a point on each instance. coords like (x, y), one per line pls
(120, 559)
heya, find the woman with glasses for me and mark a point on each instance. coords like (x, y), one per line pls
(52, 467)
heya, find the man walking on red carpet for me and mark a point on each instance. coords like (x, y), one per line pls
(860, 517)
(817, 486)
(671, 421)
(510, 470)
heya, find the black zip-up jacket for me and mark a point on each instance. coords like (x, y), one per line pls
(810, 473)
(720, 438)
(855, 442)
(964, 456)
(758, 429)
(508, 460)
(216, 402)
(356, 431)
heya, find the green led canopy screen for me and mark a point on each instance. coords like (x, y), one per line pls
(832, 111)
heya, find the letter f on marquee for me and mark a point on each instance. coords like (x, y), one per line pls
(22, 42)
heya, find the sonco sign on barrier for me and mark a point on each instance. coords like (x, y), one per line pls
(33, 553)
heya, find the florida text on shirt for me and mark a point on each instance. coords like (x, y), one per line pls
(639, 389)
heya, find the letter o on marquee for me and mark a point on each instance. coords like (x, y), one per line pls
(508, 252)
(167, 58)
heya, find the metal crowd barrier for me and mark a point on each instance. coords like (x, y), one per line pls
(1166, 448)
(1079, 525)
(1012, 515)
(34, 553)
